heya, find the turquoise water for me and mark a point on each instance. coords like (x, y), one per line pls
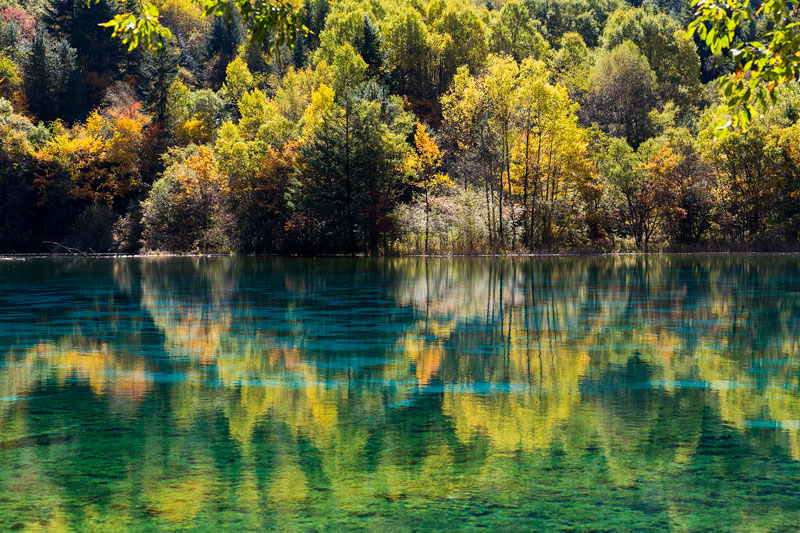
(604, 393)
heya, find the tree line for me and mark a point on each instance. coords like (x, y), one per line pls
(445, 126)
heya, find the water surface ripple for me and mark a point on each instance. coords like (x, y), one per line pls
(241, 394)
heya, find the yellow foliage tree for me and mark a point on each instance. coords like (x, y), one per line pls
(202, 184)
(422, 166)
(102, 158)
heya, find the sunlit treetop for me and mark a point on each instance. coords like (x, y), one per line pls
(277, 21)
(761, 65)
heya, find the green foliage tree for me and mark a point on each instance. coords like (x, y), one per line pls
(407, 44)
(671, 56)
(646, 184)
(571, 66)
(157, 75)
(238, 81)
(622, 93)
(50, 70)
(352, 171)
(770, 59)
(514, 32)
(348, 70)
(222, 47)
(464, 41)
(585, 17)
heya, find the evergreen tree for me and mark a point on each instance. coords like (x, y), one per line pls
(10, 38)
(57, 17)
(80, 25)
(354, 163)
(315, 12)
(99, 58)
(66, 87)
(299, 52)
(222, 45)
(157, 74)
(370, 48)
(50, 78)
(39, 68)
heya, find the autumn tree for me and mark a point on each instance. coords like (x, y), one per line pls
(423, 166)
(188, 208)
(646, 184)
(238, 81)
(549, 152)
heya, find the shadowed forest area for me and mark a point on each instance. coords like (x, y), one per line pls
(440, 126)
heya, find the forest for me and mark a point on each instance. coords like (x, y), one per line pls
(422, 126)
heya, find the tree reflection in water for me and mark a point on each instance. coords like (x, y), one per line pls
(244, 393)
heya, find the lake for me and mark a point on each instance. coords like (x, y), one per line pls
(220, 393)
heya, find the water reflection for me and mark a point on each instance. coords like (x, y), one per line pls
(249, 393)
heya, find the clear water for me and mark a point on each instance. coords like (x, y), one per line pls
(230, 394)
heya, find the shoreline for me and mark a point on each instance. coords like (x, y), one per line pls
(97, 255)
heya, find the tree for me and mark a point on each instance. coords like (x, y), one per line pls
(222, 46)
(158, 74)
(352, 170)
(370, 48)
(10, 79)
(407, 44)
(278, 20)
(646, 184)
(786, 210)
(188, 209)
(50, 77)
(622, 93)
(238, 81)
(186, 20)
(549, 152)
(348, 70)
(671, 56)
(479, 117)
(465, 40)
(694, 185)
(571, 66)
(423, 165)
(500, 84)
(469, 137)
(771, 59)
(103, 159)
(515, 33)
(261, 120)
(20, 213)
(96, 54)
(744, 164)
(585, 17)
(343, 25)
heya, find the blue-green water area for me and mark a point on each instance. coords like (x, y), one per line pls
(400, 394)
